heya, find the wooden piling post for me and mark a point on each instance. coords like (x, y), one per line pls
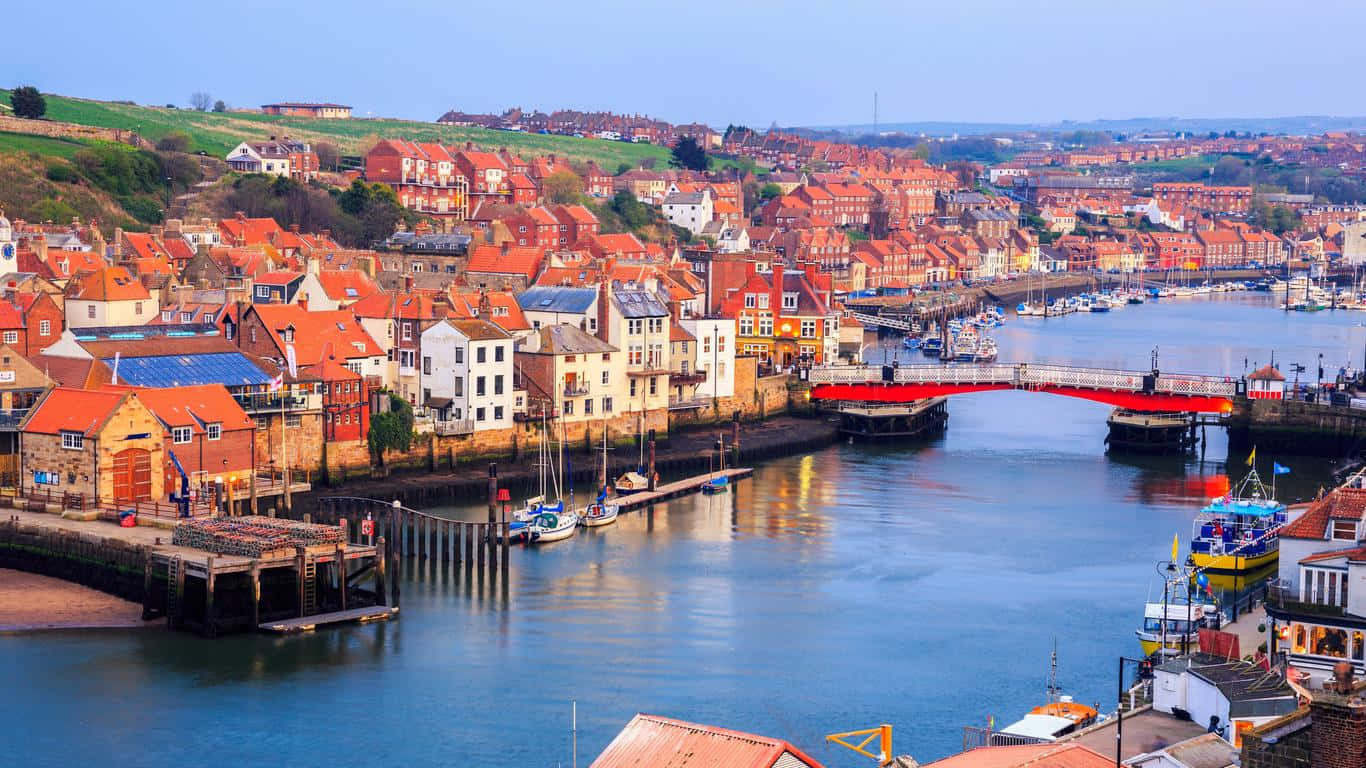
(146, 584)
(179, 587)
(208, 597)
(493, 492)
(341, 573)
(469, 544)
(483, 542)
(652, 474)
(299, 568)
(255, 574)
(458, 526)
(504, 526)
(380, 557)
(735, 439)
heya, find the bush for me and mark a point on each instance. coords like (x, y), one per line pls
(52, 210)
(62, 173)
(174, 142)
(145, 209)
(392, 431)
(27, 102)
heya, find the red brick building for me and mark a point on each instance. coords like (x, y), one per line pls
(346, 398)
(209, 434)
(424, 176)
(29, 322)
(1205, 198)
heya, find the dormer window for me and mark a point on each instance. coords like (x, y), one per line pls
(1344, 530)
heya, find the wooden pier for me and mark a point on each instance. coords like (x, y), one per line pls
(675, 489)
(310, 623)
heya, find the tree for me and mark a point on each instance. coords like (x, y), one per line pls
(174, 142)
(622, 168)
(201, 101)
(329, 155)
(563, 187)
(391, 431)
(633, 213)
(28, 102)
(769, 191)
(219, 106)
(687, 153)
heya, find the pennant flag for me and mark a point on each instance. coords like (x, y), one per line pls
(1251, 457)
(1279, 469)
(1176, 546)
(277, 383)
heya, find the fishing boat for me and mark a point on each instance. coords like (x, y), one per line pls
(1238, 532)
(965, 345)
(1050, 721)
(986, 351)
(932, 347)
(1099, 304)
(548, 527)
(911, 342)
(1176, 621)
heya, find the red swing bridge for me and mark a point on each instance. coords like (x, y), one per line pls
(1140, 391)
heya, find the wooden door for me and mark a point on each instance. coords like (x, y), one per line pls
(132, 475)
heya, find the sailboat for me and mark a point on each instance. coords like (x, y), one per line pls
(600, 512)
(554, 524)
(718, 483)
(520, 525)
(635, 481)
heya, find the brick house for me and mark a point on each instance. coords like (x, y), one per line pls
(209, 433)
(346, 398)
(103, 444)
(576, 224)
(535, 228)
(423, 176)
(29, 322)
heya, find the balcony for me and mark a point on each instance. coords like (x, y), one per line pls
(435, 182)
(10, 418)
(258, 402)
(688, 377)
(1286, 599)
(576, 389)
(454, 427)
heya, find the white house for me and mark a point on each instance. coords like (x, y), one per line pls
(268, 157)
(1266, 383)
(1222, 695)
(467, 373)
(689, 210)
(715, 355)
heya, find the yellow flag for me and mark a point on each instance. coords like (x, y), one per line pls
(1176, 546)
(1251, 457)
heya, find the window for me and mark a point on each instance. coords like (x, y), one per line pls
(763, 301)
(180, 435)
(478, 354)
(1343, 530)
(749, 301)
(479, 386)
(458, 390)
(569, 407)
(90, 311)
(789, 301)
(656, 355)
(498, 353)
(407, 331)
(720, 343)
(262, 291)
(607, 405)
(167, 315)
(634, 354)
(808, 329)
(293, 421)
(73, 440)
(479, 414)
(214, 431)
(765, 326)
(746, 328)
(633, 387)
(706, 345)
(426, 365)
(588, 406)
(497, 413)
(45, 328)
(498, 384)
(606, 378)
(459, 355)
(406, 358)
(656, 325)
(1328, 641)
(654, 385)
(11, 337)
(633, 327)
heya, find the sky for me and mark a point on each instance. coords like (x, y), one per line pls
(794, 62)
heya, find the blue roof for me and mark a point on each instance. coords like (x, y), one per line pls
(553, 298)
(231, 369)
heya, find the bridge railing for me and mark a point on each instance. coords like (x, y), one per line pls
(1028, 375)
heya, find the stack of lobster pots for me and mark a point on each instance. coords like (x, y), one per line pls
(253, 536)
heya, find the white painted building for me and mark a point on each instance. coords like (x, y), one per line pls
(467, 368)
(715, 354)
(689, 210)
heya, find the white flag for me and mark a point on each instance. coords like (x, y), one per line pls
(293, 363)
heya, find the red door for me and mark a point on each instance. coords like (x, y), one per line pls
(132, 475)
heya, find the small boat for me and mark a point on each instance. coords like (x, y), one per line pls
(986, 351)
(600, 513)
(932, 347)
(548, 527)
(1047, 722)
(1183, 619)
(631, 482)
(1099, 304)
(911, 342)
(1239, 531)
(716, 485)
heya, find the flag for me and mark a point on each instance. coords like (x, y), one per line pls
(1279, 469)
(1176, 545)
(1251, 457)
(991, 722)
(277, 383)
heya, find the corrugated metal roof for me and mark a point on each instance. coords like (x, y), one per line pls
(231, 369)
(660, 742)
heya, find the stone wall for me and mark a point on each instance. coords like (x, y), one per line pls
(55, 129)
(1291, 426)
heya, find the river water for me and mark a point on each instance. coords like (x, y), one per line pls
(921, 586)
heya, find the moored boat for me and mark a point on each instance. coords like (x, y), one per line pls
(1176, 621)
(550, 527)
(1048, 722)
(932, 347)
(1238, 532)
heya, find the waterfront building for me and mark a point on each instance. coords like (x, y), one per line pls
(566, 371)
(782, 317)
(634, 318)
(1228, 696)
(1266, 383)
(1318, 604)
(105, 445)
(714, 354)
(556, 305)
(467, 375)
(1330, 732)
(209, 434)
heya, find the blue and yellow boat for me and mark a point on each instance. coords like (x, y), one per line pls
(1238, 533)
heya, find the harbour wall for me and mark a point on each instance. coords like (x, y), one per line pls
(101, 563)
(1292, 426)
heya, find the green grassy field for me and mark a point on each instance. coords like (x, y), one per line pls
(216, 133)
(42, 145)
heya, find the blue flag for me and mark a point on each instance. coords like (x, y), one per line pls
(1279, 469)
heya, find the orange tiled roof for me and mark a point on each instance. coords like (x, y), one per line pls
(195, 407)
(73, 410)
(108, 284)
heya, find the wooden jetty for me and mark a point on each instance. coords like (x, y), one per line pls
(677, 488)
(310, 623)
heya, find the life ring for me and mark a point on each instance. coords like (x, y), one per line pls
(367, 527)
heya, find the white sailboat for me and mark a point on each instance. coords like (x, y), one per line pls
(600, 512)
(552, 524)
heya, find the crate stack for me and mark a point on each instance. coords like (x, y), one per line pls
(253, 536)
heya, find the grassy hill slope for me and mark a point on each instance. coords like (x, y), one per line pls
(216, 133)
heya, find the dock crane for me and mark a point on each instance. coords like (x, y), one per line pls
(883, 734)
(181, 499)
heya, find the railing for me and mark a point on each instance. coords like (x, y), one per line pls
(462, 427)
(575, 390)
(1027, 375)
(271, 401)
(691, 377)
(161, 508)
(1282, 596)
(10, 418)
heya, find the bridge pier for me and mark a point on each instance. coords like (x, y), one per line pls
(1139, 432)
(888, 421)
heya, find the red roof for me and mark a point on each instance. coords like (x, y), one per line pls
(336, 282)
(251, 231)
(1267, 373)
(108, 284)
(278, 278)
(659, 742)
(196, 406)
(13, 312)
(417, 305)
(73, 410)
(315, 332)
(494, 259)
(1342, 503)
(1356, 554)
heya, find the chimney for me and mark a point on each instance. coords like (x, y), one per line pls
(604, 296)
(294, 228)
(1339, 722)
(303, 300)
(775, 303)
(469, 146)
(118, 242)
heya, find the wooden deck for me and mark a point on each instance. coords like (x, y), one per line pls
(310, 623)
(672, 490)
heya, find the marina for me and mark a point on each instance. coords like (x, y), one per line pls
(745, 591)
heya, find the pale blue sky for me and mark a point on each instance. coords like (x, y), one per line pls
(799, 62)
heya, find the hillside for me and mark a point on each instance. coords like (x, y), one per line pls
(27, 193)
(216, 133)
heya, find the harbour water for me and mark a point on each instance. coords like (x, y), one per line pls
(921, 586)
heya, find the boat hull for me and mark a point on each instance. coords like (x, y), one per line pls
(1230, 565)
(545, 537)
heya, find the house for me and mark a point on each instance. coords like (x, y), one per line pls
(467, 373)
(345, 399)
(1318, 607)
(1328, 733)
(209, 434)
(284, 157)
(104, 445)
(1226, 696)
(714, 357)
(566, 371)
(1266, 383)
(576, 224)
(29, 322)
(691, 211)
(396, 321)
(304, 109)
(329, 289)
(108, 296)
(272, 330)
(635, 319)
(504, 267)
(649, 741)
(276, 287)
(22, 384)
(782, 317)
(424, 177)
